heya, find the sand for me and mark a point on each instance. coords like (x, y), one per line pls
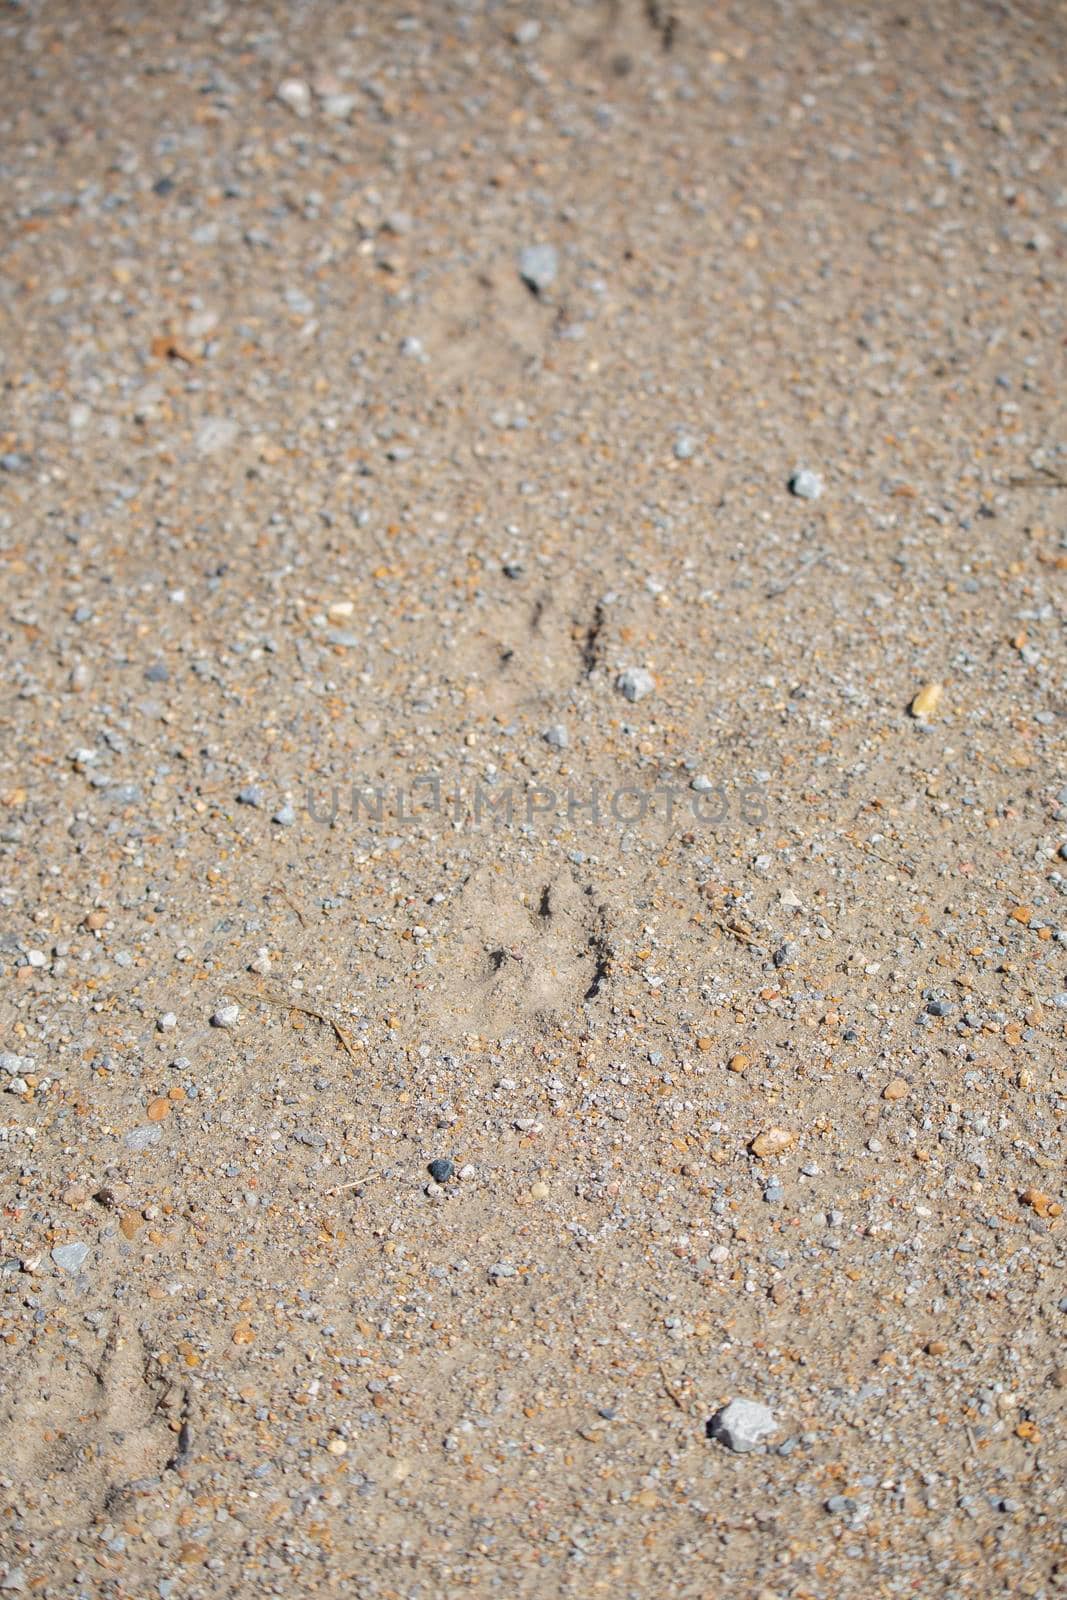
(383, 391)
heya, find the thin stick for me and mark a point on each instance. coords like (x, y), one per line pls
(288, 1004)
(672, 1393)
(277, 889)
(896, 866)
(811, 560)
(1045, 478)
(738, 933)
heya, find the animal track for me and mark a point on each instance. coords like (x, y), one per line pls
(591, 643)
(532, 954)
(83, 1431)
(619, 41)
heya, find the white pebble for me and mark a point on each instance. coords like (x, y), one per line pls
(294, 93)
(70, 1257)
(742, 1425)
(635, 683)
(806, 485)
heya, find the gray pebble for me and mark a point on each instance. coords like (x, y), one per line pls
(284, 817)
(250, 796)
(634, 683)
(742, 1425)
(226, 1016)
(70, 1257)
(556, 736)
(841, 1505)
(16, 1066)
(214, 435)
(538, 266)
(441, 1169)
(684, 447)
(806, 485)
(294, 93)
(139, 1139)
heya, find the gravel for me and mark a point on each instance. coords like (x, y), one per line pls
(741, 1013)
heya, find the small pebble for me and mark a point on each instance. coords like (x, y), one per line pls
(556, 736)
(226, 1016)
(538, 266)
(927, 700)
(295, 93)
(70, 1257)
(441, 1169)
(215, 435)
(772, 1142)
(806, 485)
(140, 1139)
(742, 1425)
(635, 683)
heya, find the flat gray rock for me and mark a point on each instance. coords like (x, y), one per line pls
(70, 1257)
(806, 485)
(538, 266)
(742, 1425)
(634, 683)
(214, 435)
(139, 1139)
